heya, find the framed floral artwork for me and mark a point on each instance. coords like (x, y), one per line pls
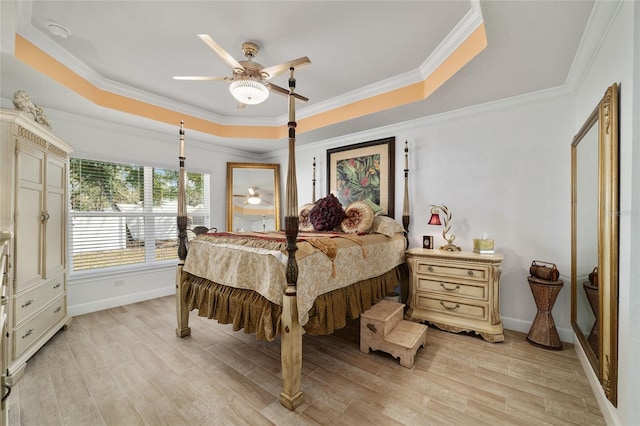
(363, 171)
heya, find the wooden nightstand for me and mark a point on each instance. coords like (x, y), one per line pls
(456, 291)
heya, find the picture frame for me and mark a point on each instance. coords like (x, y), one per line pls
(363, 170)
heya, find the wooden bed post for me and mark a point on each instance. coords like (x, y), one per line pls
(291, 330)
(313, 181)
(405, 208)
(181, 308)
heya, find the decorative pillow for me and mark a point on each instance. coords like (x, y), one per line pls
(386, 225)
(326, 214)
(304, 221)
(376, 208)
(358, 218)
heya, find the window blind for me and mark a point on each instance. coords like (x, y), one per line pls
(122, 214)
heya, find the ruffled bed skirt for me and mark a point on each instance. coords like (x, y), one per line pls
(248, 310)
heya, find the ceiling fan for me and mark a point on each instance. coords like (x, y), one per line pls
(249, 84)
(253, 197)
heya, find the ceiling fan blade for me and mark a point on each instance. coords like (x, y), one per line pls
(282, 91)
(198, 77)
(279, 69)
(230, 60)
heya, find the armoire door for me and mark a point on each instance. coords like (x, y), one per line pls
(29, 216)
(55, 203)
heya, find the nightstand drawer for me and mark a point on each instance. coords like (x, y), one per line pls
(452, 308)
(470, 291)
(471, 272)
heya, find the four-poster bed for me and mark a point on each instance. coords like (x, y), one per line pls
(280, 283)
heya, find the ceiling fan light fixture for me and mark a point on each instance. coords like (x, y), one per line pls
(254, 199)
(249, 91)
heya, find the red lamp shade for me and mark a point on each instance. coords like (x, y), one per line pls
(435, 218)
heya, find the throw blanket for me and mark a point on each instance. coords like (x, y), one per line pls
(276, 240)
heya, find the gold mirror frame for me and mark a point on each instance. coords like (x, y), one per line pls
(242, 215)
(602, 351)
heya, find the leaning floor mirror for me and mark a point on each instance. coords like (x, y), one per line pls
(253, 197)
(594, 240)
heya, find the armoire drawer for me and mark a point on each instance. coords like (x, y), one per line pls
(31, 331)
(452, 308)
(470, 272)
(33, 300)
(466, 290)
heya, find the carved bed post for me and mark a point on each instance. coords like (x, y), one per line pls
(291, 330)
(181, 308)
(313, 181)
(405, 208)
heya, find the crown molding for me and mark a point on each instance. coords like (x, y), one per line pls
(467, 25)
(602, 16)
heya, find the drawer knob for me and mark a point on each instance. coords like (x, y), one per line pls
(430, 268)
(57, 309)
(449, 308)
(372, 327)
(27, 303)
(28, 333)
(470, 273)
(443, 285)
(57, 286)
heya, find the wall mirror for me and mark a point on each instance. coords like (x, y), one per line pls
(594, 240)
(253, 197)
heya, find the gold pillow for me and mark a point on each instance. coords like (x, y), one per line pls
(386, 225)
(358, 218)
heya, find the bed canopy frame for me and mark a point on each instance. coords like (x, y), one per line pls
(290, 330)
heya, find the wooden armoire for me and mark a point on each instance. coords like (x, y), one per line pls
(33, 206)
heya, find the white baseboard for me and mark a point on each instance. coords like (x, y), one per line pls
(608, 411)
(127, 299)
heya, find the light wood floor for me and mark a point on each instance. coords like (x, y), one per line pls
(125, 366)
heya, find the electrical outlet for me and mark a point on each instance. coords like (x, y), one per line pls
(118, 282)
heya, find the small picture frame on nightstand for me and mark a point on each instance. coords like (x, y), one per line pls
(427, 241)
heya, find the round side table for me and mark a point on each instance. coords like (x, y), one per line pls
(543, 331)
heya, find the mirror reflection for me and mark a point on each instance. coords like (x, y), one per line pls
(586, 211)
(253, 197)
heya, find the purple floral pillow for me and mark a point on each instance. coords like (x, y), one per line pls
(327, 214)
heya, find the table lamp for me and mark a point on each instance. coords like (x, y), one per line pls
(435, 220)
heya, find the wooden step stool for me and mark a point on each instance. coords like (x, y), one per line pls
(382, 328)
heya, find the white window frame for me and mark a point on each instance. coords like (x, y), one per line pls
(147, 215)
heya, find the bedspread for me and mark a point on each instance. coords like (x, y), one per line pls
(325, 262)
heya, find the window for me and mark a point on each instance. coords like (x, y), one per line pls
(122, 214)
